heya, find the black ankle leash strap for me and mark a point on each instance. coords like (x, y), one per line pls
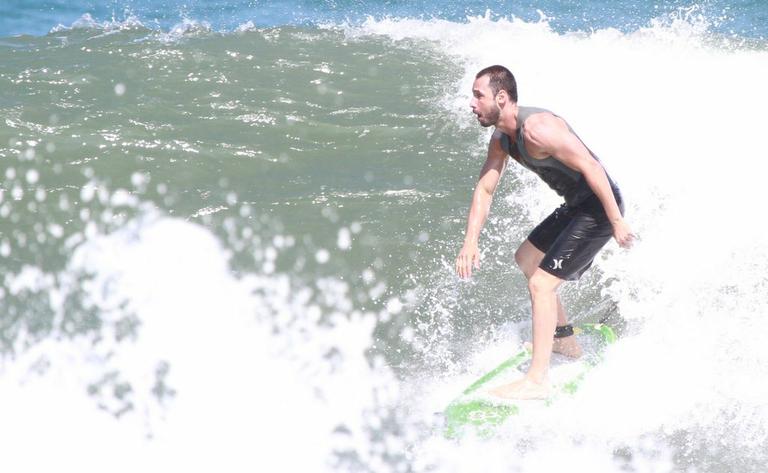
(563, 331)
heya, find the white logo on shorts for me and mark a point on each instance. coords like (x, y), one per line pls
(557, 263)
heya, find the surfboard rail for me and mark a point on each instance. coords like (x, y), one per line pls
(482, 414)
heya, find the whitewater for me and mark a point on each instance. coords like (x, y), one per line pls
(232, 248)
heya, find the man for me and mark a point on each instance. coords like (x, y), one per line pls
(561, 247)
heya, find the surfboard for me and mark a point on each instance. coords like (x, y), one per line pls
(476, 410)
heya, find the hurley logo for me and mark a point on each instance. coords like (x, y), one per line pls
(557, 263)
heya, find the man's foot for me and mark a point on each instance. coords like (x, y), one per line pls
(522, 389)
(567, 346)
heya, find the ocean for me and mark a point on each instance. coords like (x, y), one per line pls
(228, 233)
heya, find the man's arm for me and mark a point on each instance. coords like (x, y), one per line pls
(490, 175)
(548, 134)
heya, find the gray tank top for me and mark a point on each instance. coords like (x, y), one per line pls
(568, 183)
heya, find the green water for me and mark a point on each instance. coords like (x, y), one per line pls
(283, 133)
(306, 152)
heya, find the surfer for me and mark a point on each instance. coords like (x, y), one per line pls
(563, 246)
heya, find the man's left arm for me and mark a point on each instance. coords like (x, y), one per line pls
(551, 135)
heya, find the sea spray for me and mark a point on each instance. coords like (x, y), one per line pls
(670, 109)
(174, 204)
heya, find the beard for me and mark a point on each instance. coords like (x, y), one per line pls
(491, 119)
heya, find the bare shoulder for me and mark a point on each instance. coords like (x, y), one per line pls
(497, 134)
(494, 144)
(542, 128)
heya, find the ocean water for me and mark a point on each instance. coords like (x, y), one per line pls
(227, 232)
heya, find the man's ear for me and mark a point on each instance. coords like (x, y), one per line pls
(502, 97)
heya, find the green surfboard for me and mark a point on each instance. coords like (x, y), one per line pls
(474, 410)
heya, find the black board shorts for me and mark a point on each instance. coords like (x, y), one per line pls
(571, 237)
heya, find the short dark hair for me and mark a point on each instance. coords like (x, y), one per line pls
(500, 79)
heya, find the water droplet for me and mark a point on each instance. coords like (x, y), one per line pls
(344, 240)
(32, 176)
(322, 256)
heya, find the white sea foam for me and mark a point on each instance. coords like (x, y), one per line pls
(675, 114)
(187, 27)
(675, 120)
(87, 22)
(216, 380)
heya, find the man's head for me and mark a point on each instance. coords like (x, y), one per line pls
(493, 89)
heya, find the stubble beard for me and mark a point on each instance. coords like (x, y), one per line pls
(493, 118)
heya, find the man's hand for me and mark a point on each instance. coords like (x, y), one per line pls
(623, 234)
(468, 258)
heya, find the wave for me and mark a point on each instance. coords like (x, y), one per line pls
(670, 110)
(693, 19)
(186, 354)
(184, 29)
(87, 22)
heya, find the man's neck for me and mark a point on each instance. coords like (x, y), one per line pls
(508, 122)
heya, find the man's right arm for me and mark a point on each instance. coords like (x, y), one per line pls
(490, 175)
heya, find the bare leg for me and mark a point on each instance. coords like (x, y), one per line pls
(528, 258)
(543, 288)
(548, 312)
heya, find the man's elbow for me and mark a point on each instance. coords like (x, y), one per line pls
(487, 190)
(483, 194)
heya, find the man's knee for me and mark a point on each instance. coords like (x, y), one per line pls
(542, 283)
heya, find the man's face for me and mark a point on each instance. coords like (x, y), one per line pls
(483, 102)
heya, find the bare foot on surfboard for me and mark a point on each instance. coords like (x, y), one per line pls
(524, 388)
